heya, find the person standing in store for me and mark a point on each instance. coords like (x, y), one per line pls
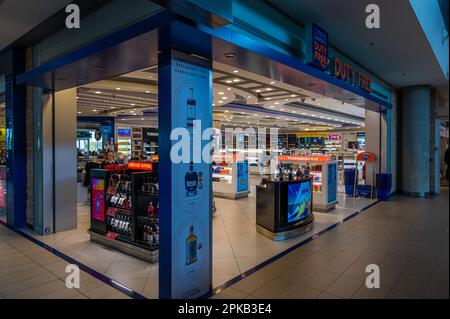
(109, 159)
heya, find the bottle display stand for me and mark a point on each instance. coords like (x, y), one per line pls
(125, 210)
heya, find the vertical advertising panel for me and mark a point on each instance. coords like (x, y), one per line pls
(191, 82)
(332, 183)
(242, 176)
(98, 199)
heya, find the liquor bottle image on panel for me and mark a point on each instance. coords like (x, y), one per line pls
(191, 247)
(191, 181)
(191, 108)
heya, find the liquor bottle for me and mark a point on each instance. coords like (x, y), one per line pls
(150, 210)
(145, 234)
(191, 108)
(191, 181)
(191, 247)
(150, 235)
(156, 236)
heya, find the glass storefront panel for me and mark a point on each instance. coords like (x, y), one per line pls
(2, 150)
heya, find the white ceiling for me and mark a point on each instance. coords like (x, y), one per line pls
(400, 53)
(17, 17)
(240, 99)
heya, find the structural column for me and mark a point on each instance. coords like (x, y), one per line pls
(416, 141)
(15, 97)
(185, 111)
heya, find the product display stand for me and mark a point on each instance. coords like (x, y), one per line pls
(125, 210)
(324, 179)
(284, 208)
(230, 178)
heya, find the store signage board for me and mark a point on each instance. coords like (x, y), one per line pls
(142, 166)
(187, 270)
(312, 134)
(312, 158)
(334, 137)
(317, 54)
(350, 74)
(366, 157)
(124, 132)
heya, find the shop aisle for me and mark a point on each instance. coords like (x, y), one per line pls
(407, 238)
(29, 271)
(237, 247)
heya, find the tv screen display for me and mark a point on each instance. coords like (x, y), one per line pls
(124, 132)
(299, 201)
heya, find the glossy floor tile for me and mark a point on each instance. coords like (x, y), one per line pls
(406, 238)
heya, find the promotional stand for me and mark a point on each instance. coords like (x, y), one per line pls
(284, 208)
(324, 179)
(230, 176)
(125, 209)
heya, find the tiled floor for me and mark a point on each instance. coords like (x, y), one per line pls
(237, 247)
(29, 271)
(407, 238)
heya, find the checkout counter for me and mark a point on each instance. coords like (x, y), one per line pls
(284, 208)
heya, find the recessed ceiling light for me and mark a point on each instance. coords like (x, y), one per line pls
(272, 106)
(268, 98)
(293, 95)
(132, 104)
(277, 103)
(221, 93)
(235, 71)
(147, 91)
(220, 101)
(255, 114)
(228, 89)
(78, 97)
(118, 89)
(236, 80)
(226, 111)
(249, 97)
(213, 104)
(269, 89)
(98, 92)
(228, 81)
(281, 110)
(257, 91)
(94, 110)
(293, 112)
(111, 107)
(79, 112)
(272, 82)
(224, 98)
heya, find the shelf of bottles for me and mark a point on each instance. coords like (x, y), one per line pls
(119, 219)
(147, 211)
(223, 173)
(316, 181)
(132, 208)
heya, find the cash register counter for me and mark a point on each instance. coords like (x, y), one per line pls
(284, 208)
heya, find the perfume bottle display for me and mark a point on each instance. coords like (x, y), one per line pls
(191, 104)
(191, 181)
(191, 247)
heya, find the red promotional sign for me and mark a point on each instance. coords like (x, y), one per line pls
(143, 166)
(366, 157)
(312, 158)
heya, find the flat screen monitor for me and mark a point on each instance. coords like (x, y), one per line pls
(299, 201)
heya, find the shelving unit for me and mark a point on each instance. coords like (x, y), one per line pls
(124, 214)
(136, 141)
